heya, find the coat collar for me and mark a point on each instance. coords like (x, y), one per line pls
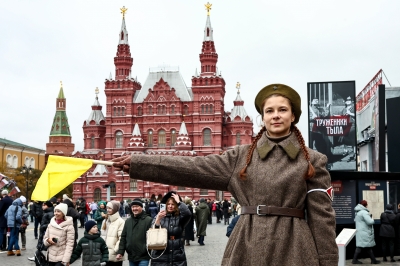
(289, 145)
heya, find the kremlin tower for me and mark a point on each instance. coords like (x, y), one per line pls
(60, 135)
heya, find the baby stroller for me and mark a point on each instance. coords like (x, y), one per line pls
(40, 258)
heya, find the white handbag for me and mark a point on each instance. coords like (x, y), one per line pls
(157, 239)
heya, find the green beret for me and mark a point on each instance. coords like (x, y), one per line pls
(281, 89)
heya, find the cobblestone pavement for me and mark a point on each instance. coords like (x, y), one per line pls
(208, 255)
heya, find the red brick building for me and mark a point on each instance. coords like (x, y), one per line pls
(161, 117)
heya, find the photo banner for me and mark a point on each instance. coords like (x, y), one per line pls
(332, 122)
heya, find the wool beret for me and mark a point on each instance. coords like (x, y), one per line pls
(281, 89)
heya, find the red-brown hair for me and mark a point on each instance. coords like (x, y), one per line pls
(310, 170)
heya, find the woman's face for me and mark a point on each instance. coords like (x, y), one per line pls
(102, 206)
(109, 210)
(170, 206)
(277, 116)
(58, 214)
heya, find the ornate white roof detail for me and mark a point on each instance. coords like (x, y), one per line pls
(123, 35)
(100, 169)
(195, 73)
(136, 130)
(183, 130)
(110, 78)
(96, 115)
(136, 143)
(171, 76)
(238, 108)
(183, 141)
(208, 31)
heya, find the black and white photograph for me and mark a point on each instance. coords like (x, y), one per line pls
(332, 122)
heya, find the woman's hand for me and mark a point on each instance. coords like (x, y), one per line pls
(160, 215)
(122, 163)
(176, 197)
(50, 241)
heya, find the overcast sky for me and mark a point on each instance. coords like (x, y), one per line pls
(258, 43)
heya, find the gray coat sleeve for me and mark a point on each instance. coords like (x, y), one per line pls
(208, 172)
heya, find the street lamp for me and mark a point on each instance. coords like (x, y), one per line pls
(27, 171)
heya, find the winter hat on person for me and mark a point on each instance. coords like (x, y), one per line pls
(137, 202)
(202, 200)
(62, 207)
(23, 199)
(4, 192)
(114, 205)
(48, 203)
(364, 203)
(65, 196)
(89, 225)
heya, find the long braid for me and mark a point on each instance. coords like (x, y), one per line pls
(243, 174)
(310, 171)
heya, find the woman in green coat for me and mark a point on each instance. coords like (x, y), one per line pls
(100, 214)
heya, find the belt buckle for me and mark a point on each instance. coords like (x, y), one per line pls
(258, 210)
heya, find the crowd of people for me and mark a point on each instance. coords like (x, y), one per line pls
(116, 230)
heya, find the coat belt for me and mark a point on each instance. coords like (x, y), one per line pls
(272, 210)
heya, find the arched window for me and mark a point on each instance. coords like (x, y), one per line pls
(27, 161)
(207, 109)
(150, 138)
(9, 160)
(150, 110)
(32, 163)
(172, 109)
(92, 142)
(119, 111)
(186, 110)
(132, 185)
(139, 111)
(15, 161)
(163, 110)
(123, 111)
(211, 109)
(159, 109)
(115, 111)
(161, 138)
(207, 137)
(113, 189)
(238, 138)
(97, 195)
(173, 137)
(202, 109)
(118, 139)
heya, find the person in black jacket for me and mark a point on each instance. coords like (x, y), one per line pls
(38, 214)
(151, 207)
(225, 210)
(133, 237)
(174, 219)
(387, 232)
(189, 229)
(92, 246)
(5, 202)
(75, 216)
(48, 213)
